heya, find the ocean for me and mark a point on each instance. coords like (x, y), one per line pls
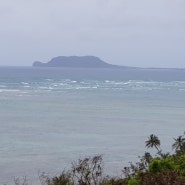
(51, 117)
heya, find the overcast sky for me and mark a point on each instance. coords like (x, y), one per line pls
(144, 33)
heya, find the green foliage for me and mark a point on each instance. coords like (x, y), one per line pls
(114, 181)
(158, 165)
(173, 162)
(180, 164)
(63, 179)
(133, 182)
(161, 178)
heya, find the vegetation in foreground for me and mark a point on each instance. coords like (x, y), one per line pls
(162, 169)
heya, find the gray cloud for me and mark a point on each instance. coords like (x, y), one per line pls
(127, 32)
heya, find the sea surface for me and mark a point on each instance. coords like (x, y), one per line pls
(51, 117)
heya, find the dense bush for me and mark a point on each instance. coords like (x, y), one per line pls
(158, 165)
(161, 178)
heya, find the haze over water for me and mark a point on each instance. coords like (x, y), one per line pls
(50, 117)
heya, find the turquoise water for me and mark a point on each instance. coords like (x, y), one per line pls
(51, 117)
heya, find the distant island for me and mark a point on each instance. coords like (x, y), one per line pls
(76, 62)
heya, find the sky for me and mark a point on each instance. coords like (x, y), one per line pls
(142, 33)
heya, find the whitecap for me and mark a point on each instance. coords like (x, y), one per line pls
(10, 90)
(50, 88)
(24, 83)
(43, 87)
(49, 79)
(27, 86)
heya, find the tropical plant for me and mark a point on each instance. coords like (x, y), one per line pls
(178, 144)
(153, 141)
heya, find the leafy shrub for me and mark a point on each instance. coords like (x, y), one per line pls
(133, 182)
(63, 179)
(158, 165)
(161, 178)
